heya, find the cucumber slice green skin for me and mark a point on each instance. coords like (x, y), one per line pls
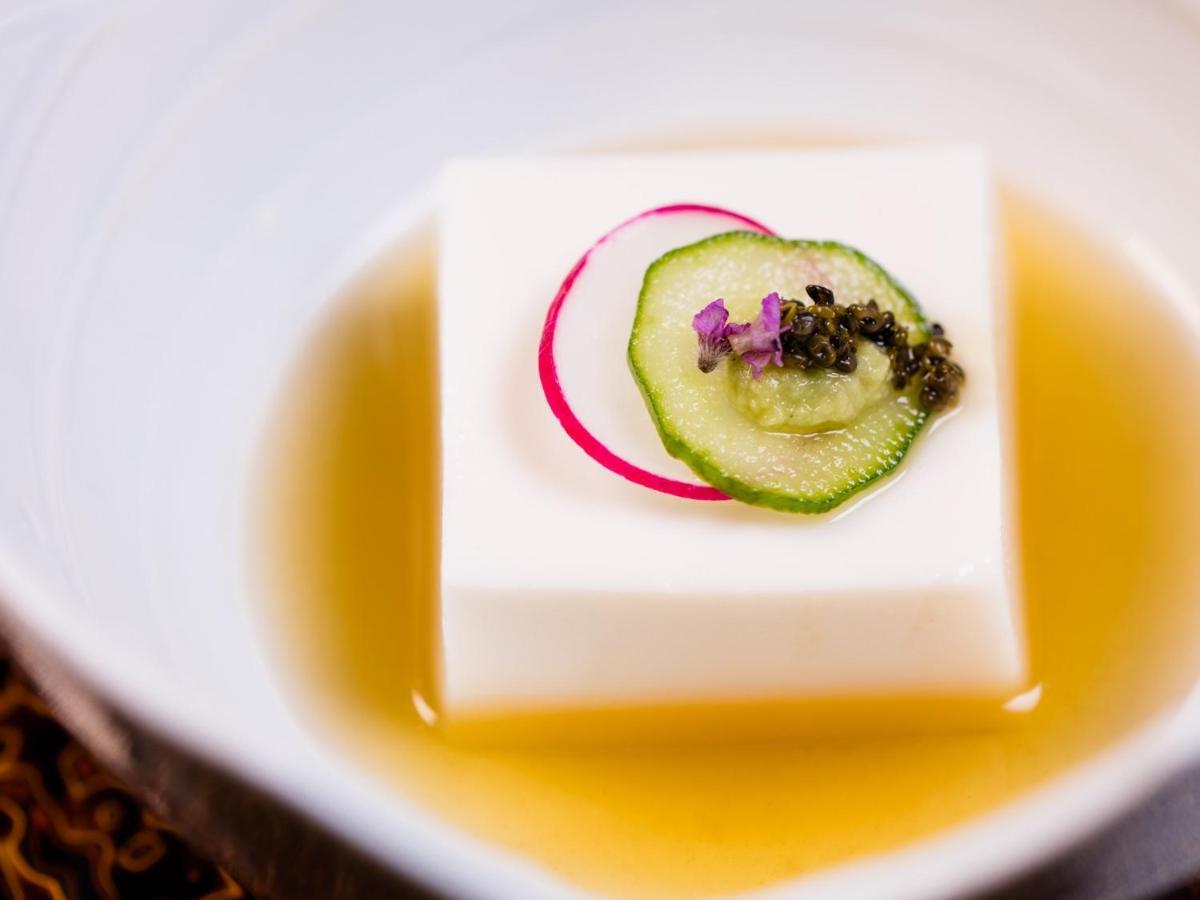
(899, 418)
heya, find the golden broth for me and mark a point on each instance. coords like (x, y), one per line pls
(1108, 492)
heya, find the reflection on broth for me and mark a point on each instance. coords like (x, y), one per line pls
(1108, 485)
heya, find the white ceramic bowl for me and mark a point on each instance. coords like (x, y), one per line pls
(184, 186)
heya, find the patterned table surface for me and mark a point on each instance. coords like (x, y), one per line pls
(69, 831)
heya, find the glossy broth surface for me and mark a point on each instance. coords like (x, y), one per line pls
(1108, 488)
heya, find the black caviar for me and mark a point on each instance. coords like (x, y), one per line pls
(825, 335)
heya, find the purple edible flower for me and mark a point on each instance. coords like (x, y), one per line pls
(711, 328)
(758, 342)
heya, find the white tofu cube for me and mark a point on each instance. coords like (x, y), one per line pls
(565, 587)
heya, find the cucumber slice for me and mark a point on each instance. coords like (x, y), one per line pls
(699, 419)
(801, 402)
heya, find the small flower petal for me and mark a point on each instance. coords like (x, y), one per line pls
(711, 328)
(758, 343)
(709, 323)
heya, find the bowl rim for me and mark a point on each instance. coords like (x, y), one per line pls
(397, 832)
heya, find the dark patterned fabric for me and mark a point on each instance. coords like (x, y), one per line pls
(68, 831)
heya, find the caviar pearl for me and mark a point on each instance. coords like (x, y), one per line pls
(825, 335)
